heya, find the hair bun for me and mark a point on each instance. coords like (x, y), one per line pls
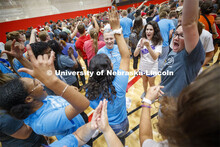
(20, 111)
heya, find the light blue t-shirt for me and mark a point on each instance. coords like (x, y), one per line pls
(69, 141)
(126, 24)
(51, 120)
(185, 68)
(165, 26)
(113, 54)
(18, 65)
(156, 18)
(4, 69)
(117, 109)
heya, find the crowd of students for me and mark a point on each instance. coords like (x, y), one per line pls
(175, 36)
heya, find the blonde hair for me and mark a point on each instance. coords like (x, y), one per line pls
(94, 36)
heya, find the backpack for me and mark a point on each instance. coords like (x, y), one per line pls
(133, 39)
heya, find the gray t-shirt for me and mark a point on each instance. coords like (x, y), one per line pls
(152, 143)
(185, 68)
(65, 64)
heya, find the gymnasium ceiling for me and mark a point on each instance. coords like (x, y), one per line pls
(20, 9)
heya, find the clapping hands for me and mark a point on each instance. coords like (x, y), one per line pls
(70, 51)
(100, 117)
(145, 42)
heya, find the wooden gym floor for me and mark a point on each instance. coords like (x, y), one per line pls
(134, 93)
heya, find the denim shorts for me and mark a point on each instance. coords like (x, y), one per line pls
(122, 128)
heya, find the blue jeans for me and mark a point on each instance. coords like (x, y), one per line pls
(163, 57)
(121, 129)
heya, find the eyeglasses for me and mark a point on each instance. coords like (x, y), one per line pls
(180, 36)
(39, 83)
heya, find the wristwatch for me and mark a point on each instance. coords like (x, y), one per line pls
(146, 101)
(118, 31)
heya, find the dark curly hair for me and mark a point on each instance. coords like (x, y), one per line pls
(156, 39)
(13, 94)
(100, 85)
(56, 47)
(38, 48)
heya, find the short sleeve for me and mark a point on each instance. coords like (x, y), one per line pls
(121, 80)
(101, 44)
(69, 141)
(198, 54)
(9, 125)
(208, 43)
(58, 122)
(171, 25)
(139, 42)
(152, 143)
(158, 49)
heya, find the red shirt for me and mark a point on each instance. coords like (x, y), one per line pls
(90, 51)
(79, 45)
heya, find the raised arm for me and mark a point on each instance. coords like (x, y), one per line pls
(189, 24)
(122, 46)
(142, 4)
(17, 52)
(75, 31)
(95, 22)
(145, 131)
(43, 70)
(33, 36)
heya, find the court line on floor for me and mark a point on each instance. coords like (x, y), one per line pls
(132, 81)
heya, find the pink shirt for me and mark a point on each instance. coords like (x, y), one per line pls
(90, 51)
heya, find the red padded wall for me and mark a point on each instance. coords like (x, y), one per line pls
(25, 23)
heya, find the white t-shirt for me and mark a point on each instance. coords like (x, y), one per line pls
(2, 48)
(152, 143)
(89, 28)
(107, 26)
(207, 41)
(147, 63)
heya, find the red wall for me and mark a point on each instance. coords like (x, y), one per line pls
(138, 4)
(25, 23)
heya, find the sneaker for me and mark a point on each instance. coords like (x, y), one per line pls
(143, 95)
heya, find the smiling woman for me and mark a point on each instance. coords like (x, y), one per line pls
(149, 47)
(25, 98)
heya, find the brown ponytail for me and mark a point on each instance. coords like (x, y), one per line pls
(94, 36)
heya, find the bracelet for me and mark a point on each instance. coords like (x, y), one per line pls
(80, 138)
(64, 90)
(146, 106)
